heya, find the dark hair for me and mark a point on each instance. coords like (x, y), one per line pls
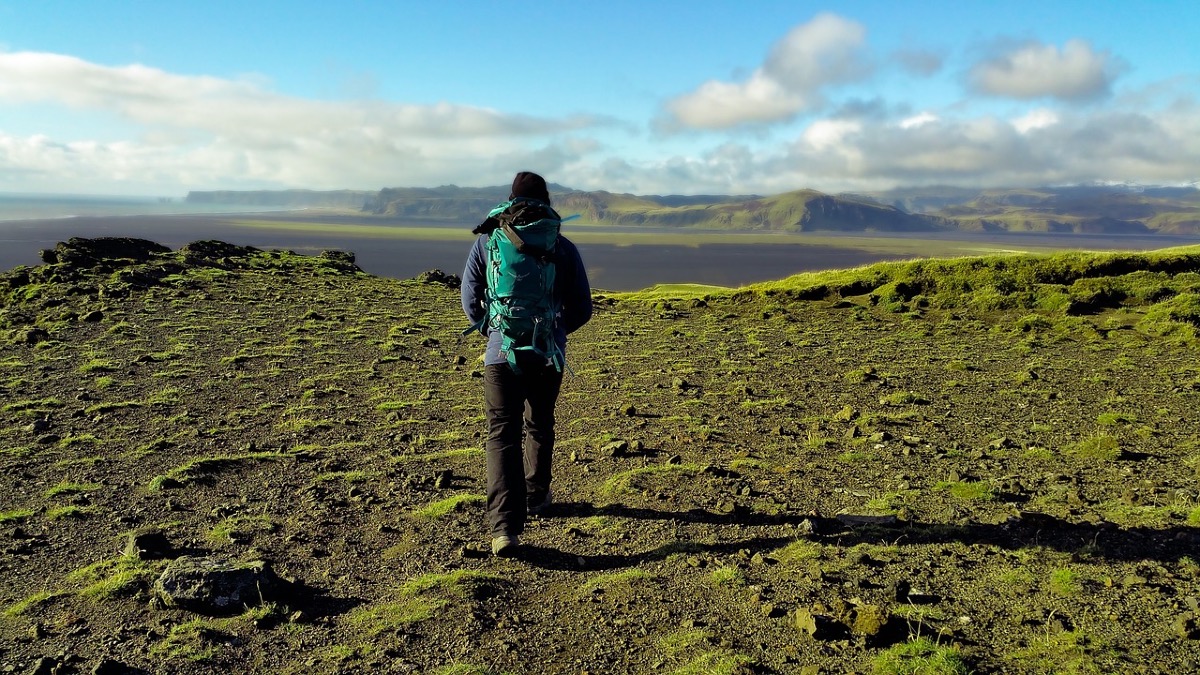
(531, 186)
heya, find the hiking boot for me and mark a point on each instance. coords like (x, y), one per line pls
(505, 546)
(540, 507)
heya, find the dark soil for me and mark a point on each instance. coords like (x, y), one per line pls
(748, 484)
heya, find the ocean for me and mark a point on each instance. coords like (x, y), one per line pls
(18, 206)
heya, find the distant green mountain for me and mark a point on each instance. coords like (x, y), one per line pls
(1081, 209)
(799, 211)
(1106, 209)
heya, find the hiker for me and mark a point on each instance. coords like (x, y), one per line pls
(525, 288)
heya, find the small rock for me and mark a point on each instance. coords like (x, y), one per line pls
(111, 667)
(629, 411)
(44, 666)
(444, 479)
(148, 546)
(216, 585)
(436, 276)
(92, 316)
(812, 624)
(615, 449)
(869, 620)
(1185, 627)
(34, 336)
(846, 414)
(770, 611)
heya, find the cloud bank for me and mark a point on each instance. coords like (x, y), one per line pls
(1048, 115)
(811, 57)
(206, 130)
(1074, 73)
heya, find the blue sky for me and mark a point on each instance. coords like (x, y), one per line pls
(642, 97)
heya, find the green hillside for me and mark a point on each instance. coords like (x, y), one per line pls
(799, 211)
(1084, 209)
(980, 465)
(1078, 210)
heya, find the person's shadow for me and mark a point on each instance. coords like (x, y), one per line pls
(1102, 541)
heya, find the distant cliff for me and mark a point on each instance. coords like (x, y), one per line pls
(297, 199)
(1080, 209)
(799, 211)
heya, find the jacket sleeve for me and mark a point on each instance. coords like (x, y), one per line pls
(474, 283)
(576, 292)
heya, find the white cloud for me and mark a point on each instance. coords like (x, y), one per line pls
(1156, 146)
(1035, 119)
(190, 132)
(1074, 73)
(813, 56)
(917, 120)
(824, 135)
(204, 131)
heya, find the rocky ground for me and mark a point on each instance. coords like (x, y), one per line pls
(748, 484)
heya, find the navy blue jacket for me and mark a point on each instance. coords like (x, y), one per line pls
(571, 290)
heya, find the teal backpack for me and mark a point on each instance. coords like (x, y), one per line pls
(522, 235)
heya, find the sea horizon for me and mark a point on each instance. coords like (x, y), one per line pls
(18, 206)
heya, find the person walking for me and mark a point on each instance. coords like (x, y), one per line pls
(522, 378)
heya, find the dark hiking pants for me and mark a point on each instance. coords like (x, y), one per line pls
(520, 440)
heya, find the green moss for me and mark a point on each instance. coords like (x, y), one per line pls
(15, 515)
(1066, 582)
(728, 576)
(967, 491)
(35, 406)
(442, 507)
(721, 662)
(799, 551)
(610, 581)
(637, 479)
(1102, 448)
(903, 398)
(41, 597)
(67, 488)
(921, 656)
(111, 578)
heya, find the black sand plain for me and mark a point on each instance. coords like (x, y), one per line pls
(613, 267)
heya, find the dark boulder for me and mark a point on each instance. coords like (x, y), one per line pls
(214, 250)
(216, 585)
(346, 257)
(439, 277)
(81, 253)
(148, 546)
